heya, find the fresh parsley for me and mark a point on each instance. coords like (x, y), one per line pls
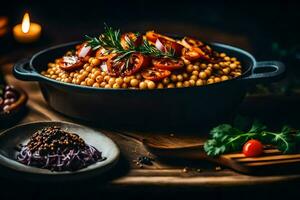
(226, 138)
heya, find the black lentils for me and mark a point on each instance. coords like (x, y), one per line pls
(54, 140)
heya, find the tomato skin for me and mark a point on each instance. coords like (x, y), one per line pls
(136, 66)
(154, 74)
(80, 47)
(253, 148)
(167, 64)
(195, 49)
(165, 40)
(118, 70)
(101, 56)
(136, 39)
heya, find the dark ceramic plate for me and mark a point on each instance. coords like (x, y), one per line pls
(20, 134)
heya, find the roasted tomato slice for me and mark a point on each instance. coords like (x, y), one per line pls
(83, 50)
(167, 42)
(101, 54)
(70, 63)
(194, 53)
(167, 63)
(134, 38)
(155, 74)
(125, 67)
(195, 49)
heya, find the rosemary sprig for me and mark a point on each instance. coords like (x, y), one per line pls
(150, 50)
(111, 41)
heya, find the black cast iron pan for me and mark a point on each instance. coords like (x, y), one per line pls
(192, 108)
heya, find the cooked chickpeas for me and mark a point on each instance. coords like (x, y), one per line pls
(160, 85)
(210, 81)
(173, 77)
(179, 84)
(189, 68)
(134, 82)
(151, 85)
(112, 81)
(116, 85)
(202, 75)
(217, 80)
(124, 85)
(119, 81)
(196, 67)
(186, 83)
(194, 77)
(95, 62)
(226, 70)
(127, 79)
(96, 85)
(171, 85)
(167, 80)
(224, 78)
(233, 66)
(194, 73)
(192, 82)
(90, 82)
(99, 78)
(199, 82)
(143, 85)
(179, 77)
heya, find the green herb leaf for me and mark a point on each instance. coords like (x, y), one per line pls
(225, 138)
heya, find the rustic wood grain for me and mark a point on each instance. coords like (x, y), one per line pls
(179, 173)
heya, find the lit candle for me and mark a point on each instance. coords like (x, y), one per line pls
(27, 31)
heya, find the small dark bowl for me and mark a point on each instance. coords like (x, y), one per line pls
(158, 109)
(17, 109)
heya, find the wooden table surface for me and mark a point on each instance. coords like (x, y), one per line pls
(162, 175)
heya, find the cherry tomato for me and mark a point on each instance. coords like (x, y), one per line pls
(155, 74)
(167, 63)
(253, 148)
(134, 38)
(70, 63)
(169, 43)
(125, 67)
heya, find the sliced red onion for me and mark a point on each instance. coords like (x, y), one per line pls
(159, 45)
(103, 67)
(70, 60)
(84, 51)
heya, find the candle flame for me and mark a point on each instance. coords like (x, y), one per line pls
(26, 23)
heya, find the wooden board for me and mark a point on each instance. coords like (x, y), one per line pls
(191, 147)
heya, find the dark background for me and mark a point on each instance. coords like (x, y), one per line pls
(255, 25)
(267, 29)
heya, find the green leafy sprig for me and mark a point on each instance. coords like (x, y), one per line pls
(110, 40)
(225, 138)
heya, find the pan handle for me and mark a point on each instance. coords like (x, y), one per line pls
(274, 70)
(23, 71)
